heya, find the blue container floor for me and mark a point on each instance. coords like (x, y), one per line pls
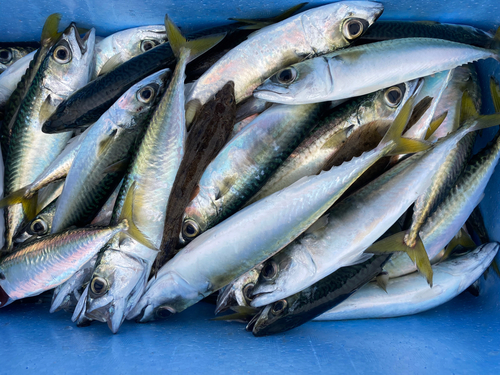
(460, 336)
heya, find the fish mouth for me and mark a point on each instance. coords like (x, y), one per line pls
(251, 324)
(82, 42)
(145, 315)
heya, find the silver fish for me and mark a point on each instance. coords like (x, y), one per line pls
(364, 69)
(410, 294)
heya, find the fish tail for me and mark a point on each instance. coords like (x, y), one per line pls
(475, 121)
(196, 47)
(417, 253)
(463, 240)
(400, 145)
(49, 31)
(495, 44)
(127, 224)
(29, 201)
(435, 124)
(260, 23)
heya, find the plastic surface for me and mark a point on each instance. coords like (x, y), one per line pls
(461, 336)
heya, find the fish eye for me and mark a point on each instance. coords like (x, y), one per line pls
(146, 94)
(270, 270)
(5, 56)
(39, 227)
(62, 54)
(353, 28)
(247, 291)
(190, 229)
(163, 312)
(393, 96)
(99, 286)
(286, 76)
(146, 45)
(279, 307)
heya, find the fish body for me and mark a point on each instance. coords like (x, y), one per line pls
(10, 55)
(354, 224)
(65, 69)
(245, 163)
(313, 32)
(311, 156)
(410, 294)
(360, 70)
(12, 76)
(109, 141)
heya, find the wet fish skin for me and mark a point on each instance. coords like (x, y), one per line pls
(313, 32)
(126, 44)
(246, 162)
(385, 30)
(31, 151)
(89, 182)
(12, 77)
(46, 263)
(331, 132)
(207, 136)
(410, 294)
(363, 69)
(316, 299)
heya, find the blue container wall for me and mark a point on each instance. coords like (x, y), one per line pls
(458, 337)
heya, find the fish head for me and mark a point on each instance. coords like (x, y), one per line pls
(133, 106)
(337, 25)
(116, 284)
(9, 55)
(239, 292)
(166, 294)
(139, 39)
(466, 262)
(301, 83)
(197, 216)
(70, 62)
(282, 272)
(273, 318)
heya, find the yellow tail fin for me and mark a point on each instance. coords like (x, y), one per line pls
(436, 123)
(495, 92)
(402, 145)
(417, 254)
(21, 196)
(126, 217)
(196, 47)
(49, 31)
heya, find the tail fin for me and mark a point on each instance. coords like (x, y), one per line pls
(417, 254)
(197, 47)
(49, 31)
(393, 136)
(436, 123)
(495, 91)
(21, 196)
(461, 239)
(127, 220)
(495, 44)
(262, 22)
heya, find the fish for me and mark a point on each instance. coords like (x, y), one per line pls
(385, 30)
(245, 163)
(207, 136)
(452, 213)
(88, 104)
(253, 234)
(10, 55)
(10, 78)
(65, 69)
(49, 36)
(410, 294)
(45, 263)
(332, 131)
(56, 171)
(363, 69)
(293, 311)
(355, 223)
(310, 33)
(126, 44)
(105, 153)
(121, 272)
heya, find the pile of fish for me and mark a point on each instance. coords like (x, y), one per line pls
(313, 165)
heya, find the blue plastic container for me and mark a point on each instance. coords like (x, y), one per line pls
(461, 336)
